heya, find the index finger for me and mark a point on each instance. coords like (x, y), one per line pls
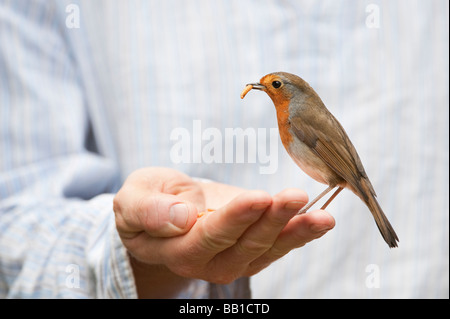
(221, 229)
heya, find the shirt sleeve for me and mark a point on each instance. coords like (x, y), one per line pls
(55, 189)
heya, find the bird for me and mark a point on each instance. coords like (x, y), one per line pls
(319, 145)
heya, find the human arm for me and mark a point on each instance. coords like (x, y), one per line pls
(57, 235)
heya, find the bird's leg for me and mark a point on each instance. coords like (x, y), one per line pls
(332, 197)
(304, 209)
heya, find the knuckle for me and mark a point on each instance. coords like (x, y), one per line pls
(146, 208)
(215, 240)
(276, 253)
(279, 221)
(300, 240)
(247, 246)
(117, 203)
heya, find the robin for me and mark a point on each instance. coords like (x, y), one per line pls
(319, 145)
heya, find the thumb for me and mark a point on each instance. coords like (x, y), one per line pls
(158, 215)
(169, 216)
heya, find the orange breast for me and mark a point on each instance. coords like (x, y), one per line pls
(282, 107)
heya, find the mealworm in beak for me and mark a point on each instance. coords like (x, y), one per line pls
(246, 90)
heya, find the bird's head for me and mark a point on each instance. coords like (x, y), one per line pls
(281, 87)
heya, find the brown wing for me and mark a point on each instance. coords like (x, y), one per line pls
(330, 142)
(339, 154)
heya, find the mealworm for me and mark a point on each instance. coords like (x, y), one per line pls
(203, 213)
(246, 90)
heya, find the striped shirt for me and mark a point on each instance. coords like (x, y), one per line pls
(93, 90)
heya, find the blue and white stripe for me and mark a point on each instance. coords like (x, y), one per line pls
(136, 70)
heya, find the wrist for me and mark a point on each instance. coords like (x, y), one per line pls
(156, 281)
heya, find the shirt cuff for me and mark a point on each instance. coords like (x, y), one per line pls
(112, 276)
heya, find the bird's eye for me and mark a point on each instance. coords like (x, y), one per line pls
(276, 84)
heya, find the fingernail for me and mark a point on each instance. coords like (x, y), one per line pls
(179, 215)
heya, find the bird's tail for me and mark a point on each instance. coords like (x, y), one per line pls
(385, 227)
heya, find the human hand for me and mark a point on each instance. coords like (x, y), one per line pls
(247, 232)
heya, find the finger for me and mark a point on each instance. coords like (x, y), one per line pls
(221, 229)
(299, 231)
(260, 237)
(157, 214)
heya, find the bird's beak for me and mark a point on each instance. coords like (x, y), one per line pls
(250, 86)
(257, 86)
